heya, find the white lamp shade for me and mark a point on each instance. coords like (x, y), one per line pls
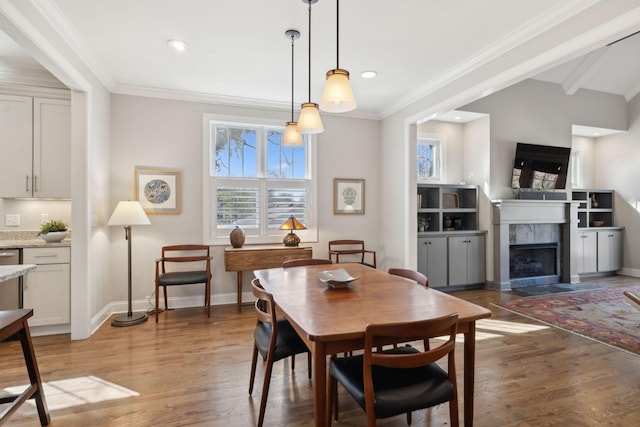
(291, 135)
(309, 120)
(337, 96)
(129, 213)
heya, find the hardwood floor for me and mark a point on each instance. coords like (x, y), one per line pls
(194, 371)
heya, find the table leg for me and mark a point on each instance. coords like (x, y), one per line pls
(320, 383)
(34, 374)
(239, 291)
(469, 366)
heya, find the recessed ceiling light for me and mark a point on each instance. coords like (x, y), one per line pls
(596, 134)
(368, 74)
(457, 118)
(178, 45)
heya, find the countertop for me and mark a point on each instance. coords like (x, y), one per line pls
(32, 243)
(10, 271)
(18, 239)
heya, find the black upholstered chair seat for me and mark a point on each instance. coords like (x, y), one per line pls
(287, 341)
(182, 278)
(274, 339)
(396, 390)
(189, 257)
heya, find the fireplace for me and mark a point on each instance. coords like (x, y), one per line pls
(532, 242)
(534, 264)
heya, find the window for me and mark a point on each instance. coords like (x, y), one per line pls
(429, 158)
(254, 182)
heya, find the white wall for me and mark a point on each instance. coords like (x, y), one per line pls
(536, 112)
(585, 149)
(616, 160)
(477, 171)
(168, 134)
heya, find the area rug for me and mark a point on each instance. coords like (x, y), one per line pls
(602, 315)
(556, 288)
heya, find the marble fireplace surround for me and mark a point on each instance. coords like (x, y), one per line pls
(516, 211)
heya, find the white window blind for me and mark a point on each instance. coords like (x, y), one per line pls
(254, 182)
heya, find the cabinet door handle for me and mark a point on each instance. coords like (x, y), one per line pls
(46, 256)
(27, 184)
(35, 183)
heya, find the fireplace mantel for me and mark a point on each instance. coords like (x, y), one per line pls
(516, 211)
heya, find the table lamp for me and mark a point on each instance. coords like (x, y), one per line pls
(129, 213)
(291, 224)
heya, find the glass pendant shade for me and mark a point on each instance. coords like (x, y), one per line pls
(292, 136)
(309, 120)
(337, 96)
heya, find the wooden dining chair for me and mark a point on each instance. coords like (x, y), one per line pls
(416, 276)
(352, 247)
(298, 262)
(184, 255)
(403, 379)
(274, 339)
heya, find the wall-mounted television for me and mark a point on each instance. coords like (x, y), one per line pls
(540, 167)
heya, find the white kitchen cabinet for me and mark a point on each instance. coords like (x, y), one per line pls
(51, 148)
(16, 143)
(432, 260)
(36, 142)
(609, 250)
(466, 260)
(587, 252)
(47, 290)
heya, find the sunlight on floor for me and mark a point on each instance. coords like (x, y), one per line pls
(78, 391)
(488, 328)
(510, 327)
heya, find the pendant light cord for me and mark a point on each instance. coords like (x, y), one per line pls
(292, 74)
(309, 52)
(337, 34)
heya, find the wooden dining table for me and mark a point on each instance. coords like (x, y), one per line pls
(332, 321)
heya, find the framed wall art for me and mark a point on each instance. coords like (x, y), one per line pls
(158, 190)
(348, 196)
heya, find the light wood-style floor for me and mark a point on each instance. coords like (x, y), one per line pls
(194, 371)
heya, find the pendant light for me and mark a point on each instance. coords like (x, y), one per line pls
(291, 135)
(309, 120)
(337, 96)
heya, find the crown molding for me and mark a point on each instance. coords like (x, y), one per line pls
(28, 89)
(208, 98)
(30, 77)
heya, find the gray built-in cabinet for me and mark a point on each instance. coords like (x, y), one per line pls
(451, 249)
(599, 246)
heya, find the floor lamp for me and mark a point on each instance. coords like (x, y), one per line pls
(129, 213)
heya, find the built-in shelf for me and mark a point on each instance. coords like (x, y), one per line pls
(595, 205)
(439, 202)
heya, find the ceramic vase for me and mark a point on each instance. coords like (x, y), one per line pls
(237, 237)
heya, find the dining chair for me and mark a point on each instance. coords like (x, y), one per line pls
(352, 247)
(416, 276)
(186, 255)
(305, 261)
(403, 379)
(274, 339)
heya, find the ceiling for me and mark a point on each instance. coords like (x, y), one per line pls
(238, 54)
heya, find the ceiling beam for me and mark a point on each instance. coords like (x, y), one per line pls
(583, 71)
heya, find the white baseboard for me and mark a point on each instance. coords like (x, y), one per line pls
(633, 272)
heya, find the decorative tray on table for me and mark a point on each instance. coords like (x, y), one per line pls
(337, 279)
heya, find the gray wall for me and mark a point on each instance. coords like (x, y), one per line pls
(536, 112)
(168, 134)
